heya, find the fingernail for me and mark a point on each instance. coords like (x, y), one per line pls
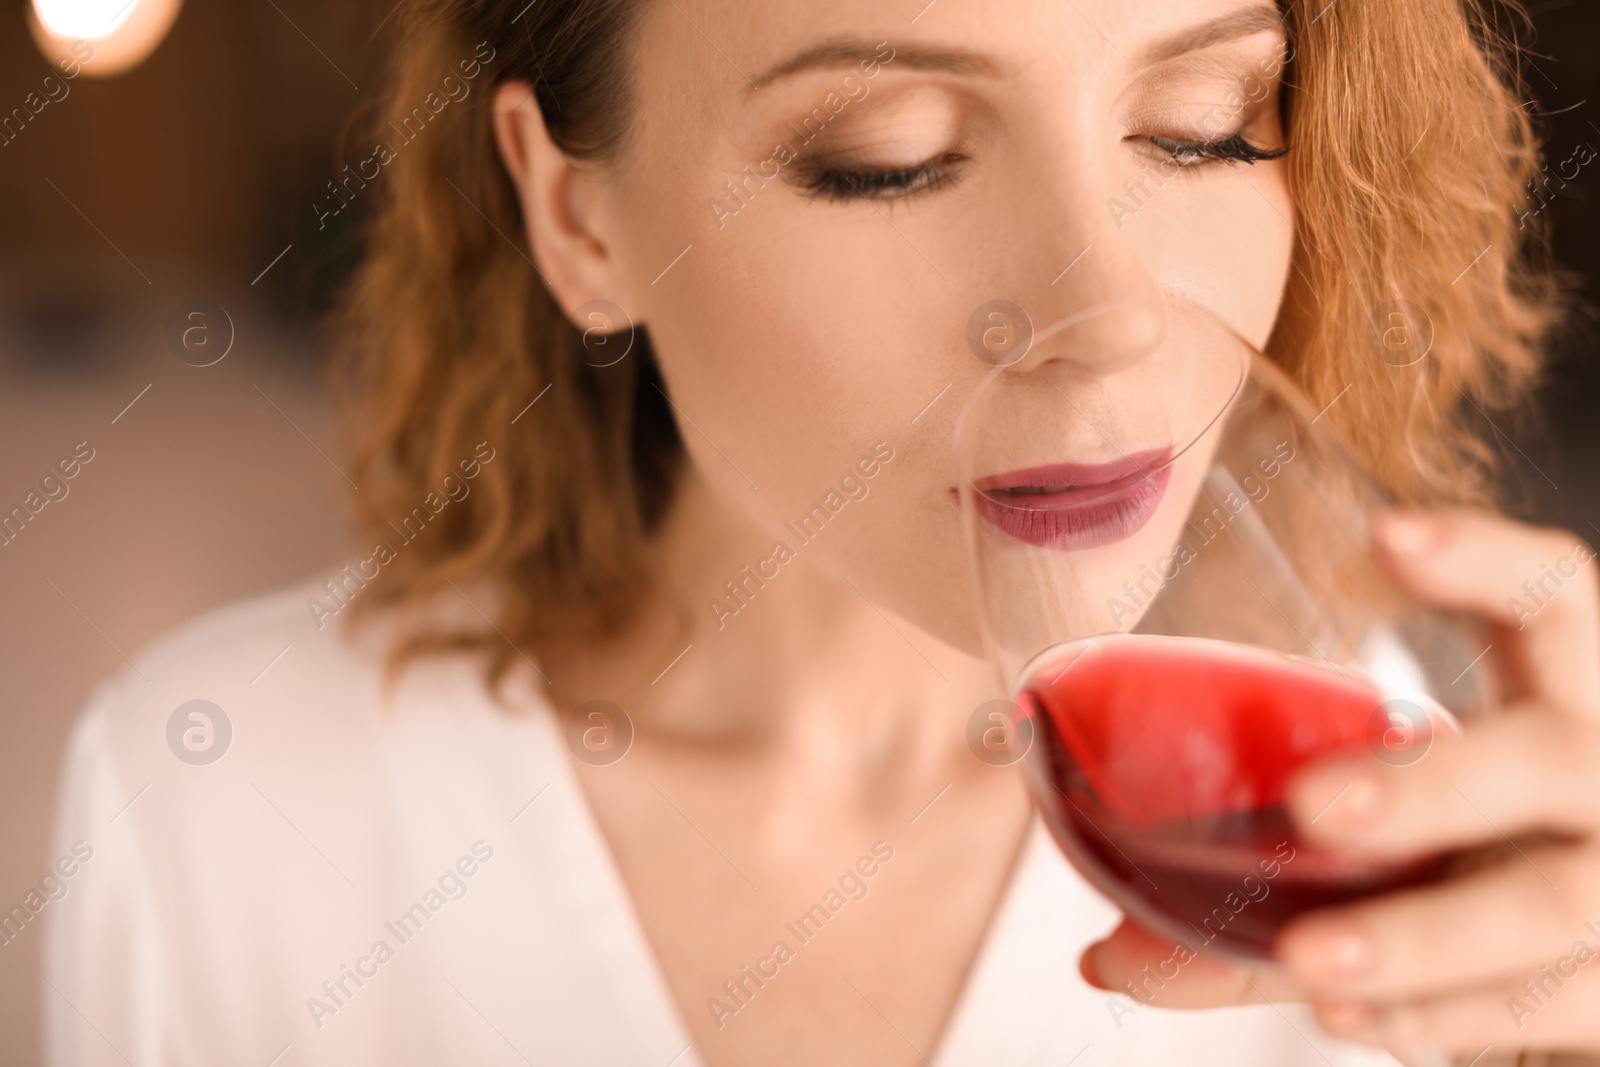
(1088, 969)
(1356, 805)
(1410, 533)
(1329, 951)
(1345, 1016)
(1364, 802)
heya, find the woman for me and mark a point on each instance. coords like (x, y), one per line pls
(660, 778)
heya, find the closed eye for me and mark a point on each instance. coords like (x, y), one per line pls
(1234, 149)
(841, 185)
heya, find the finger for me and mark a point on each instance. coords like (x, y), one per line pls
(1167, 974)
(1539, 586)
(1504, 775)
(1426, 941)
(1542, 1011)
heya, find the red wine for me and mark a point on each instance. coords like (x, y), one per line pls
(1160, 763)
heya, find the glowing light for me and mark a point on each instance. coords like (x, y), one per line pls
(100, 38)
(88, 20)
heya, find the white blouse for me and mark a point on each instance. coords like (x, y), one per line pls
(415, 877)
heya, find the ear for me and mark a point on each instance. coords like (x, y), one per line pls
(563, 215)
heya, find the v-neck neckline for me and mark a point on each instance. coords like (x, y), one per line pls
(968, 1022)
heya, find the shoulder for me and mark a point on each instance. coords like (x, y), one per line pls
(252, 795)
(252, 737)
(225, 645)
(285, 653)
(228, 683)
(268, 690)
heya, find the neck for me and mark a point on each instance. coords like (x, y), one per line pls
(800, 656)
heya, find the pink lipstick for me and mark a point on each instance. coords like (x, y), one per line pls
(1076, 505)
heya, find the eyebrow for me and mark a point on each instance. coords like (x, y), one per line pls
(1235, 26)
(845, 52)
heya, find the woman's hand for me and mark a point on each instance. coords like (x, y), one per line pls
(1507, 956)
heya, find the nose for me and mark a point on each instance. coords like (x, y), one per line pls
(1102, 337)
(1083, 294)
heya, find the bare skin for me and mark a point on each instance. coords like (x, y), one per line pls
(779, 750)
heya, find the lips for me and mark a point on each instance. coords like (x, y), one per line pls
(1076, 505)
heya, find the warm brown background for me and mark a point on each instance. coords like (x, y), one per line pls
(199, 168)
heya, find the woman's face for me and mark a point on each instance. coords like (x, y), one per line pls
(822, 195)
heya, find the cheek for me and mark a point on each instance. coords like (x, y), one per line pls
(792, 352)
(1225, 242)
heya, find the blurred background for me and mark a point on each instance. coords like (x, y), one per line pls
(192, 183)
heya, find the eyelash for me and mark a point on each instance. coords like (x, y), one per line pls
(847, 185)
(1234, 149)
(844, 186)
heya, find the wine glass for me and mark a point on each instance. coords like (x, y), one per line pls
(1175, 581)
